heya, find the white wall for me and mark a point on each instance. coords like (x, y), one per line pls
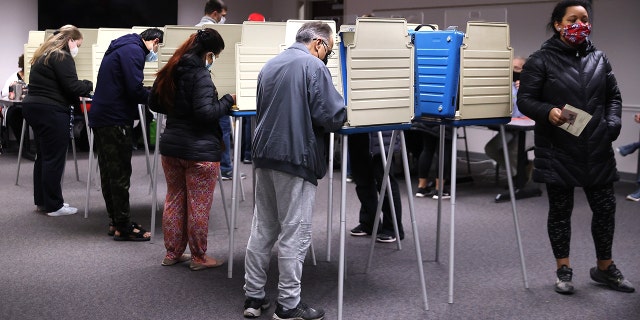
(18, 17)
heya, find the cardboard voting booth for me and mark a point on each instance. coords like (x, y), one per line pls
(84, 59)
(36, 38)
(377, 72)
(224, 69)
(104, 38)
(485, 72)
(260, 42)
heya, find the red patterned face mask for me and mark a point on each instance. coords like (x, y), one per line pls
(577, 33)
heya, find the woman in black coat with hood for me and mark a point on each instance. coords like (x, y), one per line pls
(569, 70)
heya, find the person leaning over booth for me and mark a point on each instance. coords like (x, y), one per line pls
(296, 105)
(53, 88)
(569, 70)
(114, 107)
(190, 146)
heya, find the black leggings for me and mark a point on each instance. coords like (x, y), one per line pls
(602, 202)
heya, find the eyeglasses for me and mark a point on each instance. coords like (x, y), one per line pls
(326, 48)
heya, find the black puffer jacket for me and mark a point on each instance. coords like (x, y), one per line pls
(192, 131)
(559, 74)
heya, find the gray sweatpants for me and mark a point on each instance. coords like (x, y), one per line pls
(283, 211)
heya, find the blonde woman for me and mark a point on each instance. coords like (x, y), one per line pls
(53, 88)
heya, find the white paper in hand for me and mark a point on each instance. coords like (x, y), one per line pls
(576, 119)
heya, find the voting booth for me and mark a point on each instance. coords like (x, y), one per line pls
(377, 72)
(36, 38)
(437, 70)
(84, 58)
(104, 38)
(224, 70)
(464, 76)
(260, 42)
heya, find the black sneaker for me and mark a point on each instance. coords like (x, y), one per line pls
(253, 307)
(300, 312)
(227, 175)
(383, 237)
(424, 192)
(360, 231)
(445, 195)
(563, 282)
(611, 277)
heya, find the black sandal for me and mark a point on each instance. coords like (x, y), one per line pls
(130, 234)
(112, 228)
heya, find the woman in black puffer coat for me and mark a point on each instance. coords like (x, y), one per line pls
(190, 146)
(568, 69)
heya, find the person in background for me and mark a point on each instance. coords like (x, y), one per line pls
(626, 150)
(53, 88)
(563, 161)
(13, 116)
(190, 145)
(115, 106)
(367, 171)
(215, 12)
(493, 148)
(297, 105)
(430, 136)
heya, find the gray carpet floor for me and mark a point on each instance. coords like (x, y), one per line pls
(68, 268)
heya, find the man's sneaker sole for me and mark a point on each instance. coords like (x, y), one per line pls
(251, 312)
(386, 240)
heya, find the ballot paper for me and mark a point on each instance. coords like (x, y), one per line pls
(576, 119)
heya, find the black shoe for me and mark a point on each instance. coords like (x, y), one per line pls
(360, 231)
(226, 175)
(29, 156)
(445, 194)
(300, 312)
(563, 282)
(245, 161)
(383, 237)
(424, 192)
(253, 307)
(611, 277)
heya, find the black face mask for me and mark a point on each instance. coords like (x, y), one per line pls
(516, 76)
(326, 59)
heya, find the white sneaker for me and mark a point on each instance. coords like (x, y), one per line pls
(43, 209)
(64, 211)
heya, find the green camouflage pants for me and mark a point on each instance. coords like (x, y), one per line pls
(114, 148)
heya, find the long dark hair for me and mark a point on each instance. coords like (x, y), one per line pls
(198, 44)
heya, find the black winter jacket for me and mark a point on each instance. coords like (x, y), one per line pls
(560, 74)
(192, 131)
(56, 83)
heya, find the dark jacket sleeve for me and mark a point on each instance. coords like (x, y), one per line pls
(530, 101)
(613, 105)
(133, 75)
(67, 77)
(327, 106)
(207, 108)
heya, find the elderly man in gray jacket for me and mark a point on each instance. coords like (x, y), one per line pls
(296, 105)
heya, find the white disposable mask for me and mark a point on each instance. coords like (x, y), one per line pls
(74, 51)
(222, 20)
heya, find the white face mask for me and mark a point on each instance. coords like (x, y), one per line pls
(74, 51)
(222, 20)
